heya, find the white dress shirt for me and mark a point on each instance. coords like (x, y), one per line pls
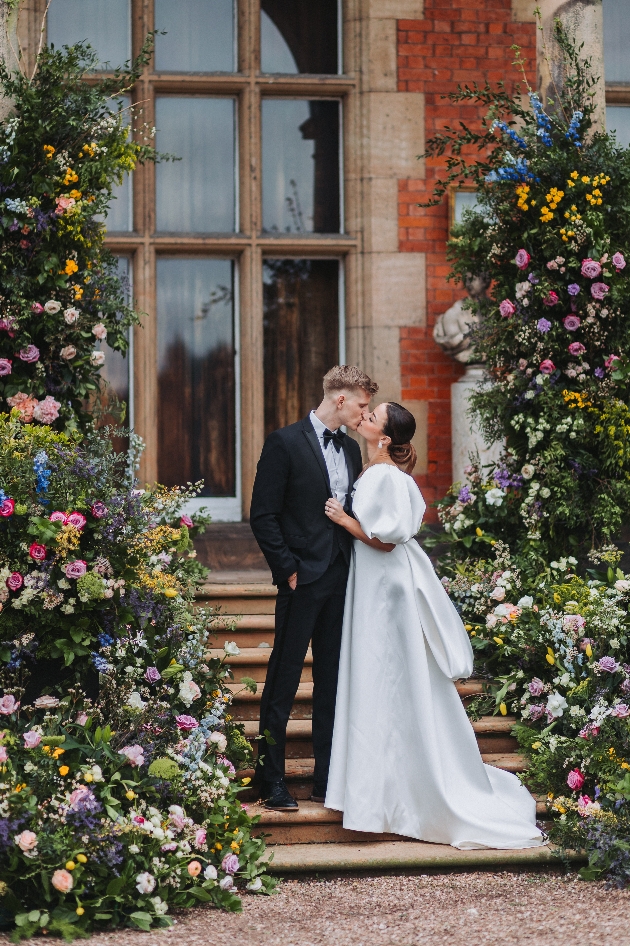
(335, 462)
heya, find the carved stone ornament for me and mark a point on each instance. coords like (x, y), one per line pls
(452, 329)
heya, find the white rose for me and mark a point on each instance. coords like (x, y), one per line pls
(99, 330)
(135, 701)
(71, 315)
(495, 496)
(219, 740)
(52, 307)
(210, 873)
(159, 906)
(556, 704)
(491, 620)
(145, 883)
(97, 358)
(527, 471)
(227, 883)
(231, 648)
(498, 593)
(97, 773)
(545, 492)
(133, 849)
(622, 585)
(254, 885)
(525, 602)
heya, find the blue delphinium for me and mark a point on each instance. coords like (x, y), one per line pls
(542, 119)
(572, 132)
(43, 473)
(510, 133)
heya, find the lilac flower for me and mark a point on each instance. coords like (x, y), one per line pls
(152, 675)
(543, 325)
(533, 279)
(599, 373)
(464, 495)
(608, 664)
(573, 289)
(536, 686)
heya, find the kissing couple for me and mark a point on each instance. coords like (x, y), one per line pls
(394, 749)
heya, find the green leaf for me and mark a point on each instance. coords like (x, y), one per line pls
(171, 670)
(249, 684)
(142, 920)
(115, 886)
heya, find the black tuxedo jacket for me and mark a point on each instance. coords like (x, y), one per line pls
(290, 491)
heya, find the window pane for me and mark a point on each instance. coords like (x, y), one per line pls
(196, 374)
(196, 194)
(618, 120)
(199, 38)
(120, 214)
(616, 41)
(299, 36)
(301, 335)
(300, 155)
(116, 370)
(105, 24)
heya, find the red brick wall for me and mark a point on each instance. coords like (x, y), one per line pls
(457, 42)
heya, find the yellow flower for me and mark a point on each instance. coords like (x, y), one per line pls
(588, 650)
(624, 765)
(473, 633)
(537, 745)
(88, 777)
(218, 847)
(76, 194)
(71, 267)
(64, 769)
(586, 180)
(574, 175)
(79, 911)
(78, 292)
(550, 659)
(130, 795)
(556, 597)
(503, 709)
(246, 780)
(49, 151)
(498, 640)
(82, 859)
(170, 593)
(468, 627)
(70, 865)
(479, 531)
(57, 752)
(235, 846)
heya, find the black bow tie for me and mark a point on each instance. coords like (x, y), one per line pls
(337, 438)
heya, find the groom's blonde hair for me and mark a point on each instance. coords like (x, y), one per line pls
(348, 378)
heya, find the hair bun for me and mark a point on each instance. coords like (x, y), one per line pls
(404, 455)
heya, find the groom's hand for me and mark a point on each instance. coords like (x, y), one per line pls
(292, 579)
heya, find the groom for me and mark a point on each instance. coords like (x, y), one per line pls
(300, 467)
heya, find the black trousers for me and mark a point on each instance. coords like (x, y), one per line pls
(313, 612)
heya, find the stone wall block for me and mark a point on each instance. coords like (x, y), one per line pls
(398, 289)
(396, 134)
(381, 218)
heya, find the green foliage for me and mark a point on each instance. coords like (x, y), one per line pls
(62, 150)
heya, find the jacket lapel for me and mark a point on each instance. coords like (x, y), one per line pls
(313, 441)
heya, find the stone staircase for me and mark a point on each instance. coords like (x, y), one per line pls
(302, 840)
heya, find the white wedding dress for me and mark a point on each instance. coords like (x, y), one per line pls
(404, 755)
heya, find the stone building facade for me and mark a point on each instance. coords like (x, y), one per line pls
(289, 236)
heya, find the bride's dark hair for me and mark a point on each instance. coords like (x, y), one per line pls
(401, 427)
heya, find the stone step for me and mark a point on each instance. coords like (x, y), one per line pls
(314, 824)
(399, 856)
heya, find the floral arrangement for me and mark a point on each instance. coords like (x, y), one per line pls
(118, 753)
(62, 150)
(530, 561)
(551, 235)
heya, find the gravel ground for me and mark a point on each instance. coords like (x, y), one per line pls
(478, 909)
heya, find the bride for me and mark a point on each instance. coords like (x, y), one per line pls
(404, 755)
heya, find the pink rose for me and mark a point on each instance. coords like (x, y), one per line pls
(37, 309)
(77, 520)
(62, 881)
(81, 719)
(575, 780)
(5, 367)
(590, 268)
(8, 705)
(619, 262)
(100, 331)
(71, 315)
(47, 411)
(522, 259)
(507, 308)
(29, 354)
(551, 298)
(200, 838)
(76, 569)
(24, 404)
(186, 521)
(68, 353)
(4, 755)
(547, 366)
(536, 686)
(230, 864)
(134, 754)
(621, 711)
(194, 868)
(58, 516)
(6, 508)
(187, 723)
(26, 841)
(99, 510)
(14, 581)
(571, 323)
(63, 204)
(37, 552)
(589, 730)
(31, 739)
(611, 360)
(576, 348)
(599, 290)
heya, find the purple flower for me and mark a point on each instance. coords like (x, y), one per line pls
(464, 495)
(533, 279)
(621, 711)
(507, 308)
(625, 686)
(536, 710)
(599, 373)
(543, 325)
(599, 290)
(619, 262)
(29, 354)
(571, 323)
(536, 686)
(590, 268)
(576, 348)
(230, 864)
(152, 675)
(573, 289)
(186, 722)
(608, 664)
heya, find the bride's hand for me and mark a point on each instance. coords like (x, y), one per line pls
(334, 511)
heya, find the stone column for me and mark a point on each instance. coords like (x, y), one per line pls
(465, 435)
(582, 19)
(8, 47)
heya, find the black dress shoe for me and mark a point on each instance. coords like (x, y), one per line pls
(319, 794)
(276, 796)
